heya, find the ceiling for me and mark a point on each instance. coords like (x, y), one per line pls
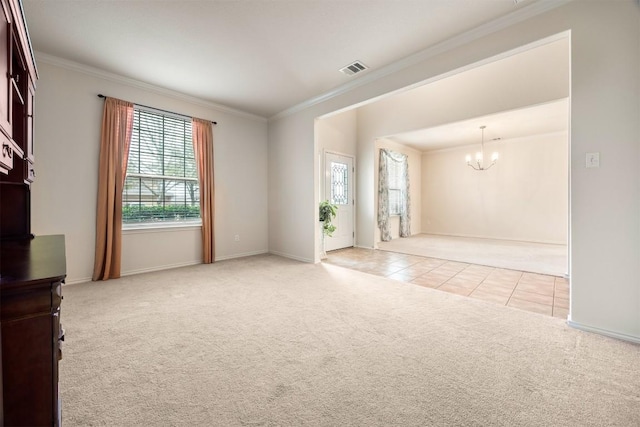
(257, 56)
(551, 117)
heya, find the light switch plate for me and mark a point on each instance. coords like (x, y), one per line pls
(593, 160)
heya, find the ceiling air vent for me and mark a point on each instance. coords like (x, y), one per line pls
(353, 68)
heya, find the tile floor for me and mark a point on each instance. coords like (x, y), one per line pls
(527, 291)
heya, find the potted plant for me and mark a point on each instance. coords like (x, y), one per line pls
(326, 214)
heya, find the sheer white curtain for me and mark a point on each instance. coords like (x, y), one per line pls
(396, 164)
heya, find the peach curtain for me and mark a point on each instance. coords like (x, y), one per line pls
(117, 124)
(203, 148)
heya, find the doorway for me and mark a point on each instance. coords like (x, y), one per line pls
(339, 171)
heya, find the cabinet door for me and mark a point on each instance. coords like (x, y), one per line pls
(28, 374)
(5, 67)
(29, 168)
(30, 100)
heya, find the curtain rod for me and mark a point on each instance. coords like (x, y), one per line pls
(154, 108)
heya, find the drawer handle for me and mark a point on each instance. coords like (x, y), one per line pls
(32, 173)
(7, 151)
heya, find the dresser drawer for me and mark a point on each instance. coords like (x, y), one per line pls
(25, 302)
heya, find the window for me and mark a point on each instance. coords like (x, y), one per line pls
(339, 187)
(161, 185)
(396, 172)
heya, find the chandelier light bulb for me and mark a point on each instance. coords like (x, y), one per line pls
(468, 158)
(495, 156)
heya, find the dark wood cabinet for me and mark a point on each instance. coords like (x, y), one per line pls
(31, 276)
(18, 76)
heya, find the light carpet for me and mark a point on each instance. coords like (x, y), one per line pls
(266, 341)
(524, 256)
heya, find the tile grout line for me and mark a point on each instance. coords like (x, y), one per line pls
(553, 300)
(485, 278)
(446, 281)
(514, 288)
(478, 285)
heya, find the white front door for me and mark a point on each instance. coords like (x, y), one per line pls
(338, 189)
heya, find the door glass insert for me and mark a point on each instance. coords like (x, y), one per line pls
(339, 187)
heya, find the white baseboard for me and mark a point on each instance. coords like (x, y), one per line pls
(297, 258)
(480, 236)
(160, 268)
(167, 266)
(137, 271)
(74, 281)
(364, 247)
(242, 255)
(606, 332)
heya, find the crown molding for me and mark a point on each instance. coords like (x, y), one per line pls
(116, 78)
(483, 30)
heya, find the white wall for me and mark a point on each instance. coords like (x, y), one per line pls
(414, 160)
(67, 136)
(293, 189)
(338, 133)
(605, 118)
(524, 196)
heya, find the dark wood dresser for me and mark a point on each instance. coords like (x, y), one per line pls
(31, 276)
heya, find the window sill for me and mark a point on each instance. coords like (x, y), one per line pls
(160, 227)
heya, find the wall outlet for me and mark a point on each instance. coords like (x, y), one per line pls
(236, 237)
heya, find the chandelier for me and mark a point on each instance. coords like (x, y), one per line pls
(479, 164)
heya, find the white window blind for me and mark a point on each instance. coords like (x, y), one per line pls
(161, 184)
